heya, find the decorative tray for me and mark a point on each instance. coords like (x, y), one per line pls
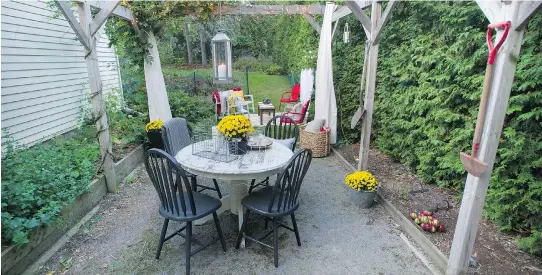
(258, 143)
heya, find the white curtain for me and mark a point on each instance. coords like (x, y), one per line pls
(325, 104)
(307, 82)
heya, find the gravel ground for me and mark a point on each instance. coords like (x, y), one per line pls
(337, 238)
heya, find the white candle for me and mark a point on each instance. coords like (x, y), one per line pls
(222, 71)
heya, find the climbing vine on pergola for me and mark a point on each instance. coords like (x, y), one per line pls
(144, 19)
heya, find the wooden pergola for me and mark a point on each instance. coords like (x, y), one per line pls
(517, 12)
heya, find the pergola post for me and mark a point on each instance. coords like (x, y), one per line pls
(476, 187)
(370, 86)
(86, 31)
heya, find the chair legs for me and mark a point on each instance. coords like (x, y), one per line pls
(296, 231)
(162, 236)
(187, 245)
(219, 231)
(253, 184)
(275, 242)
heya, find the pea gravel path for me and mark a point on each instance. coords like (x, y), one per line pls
(336, 237)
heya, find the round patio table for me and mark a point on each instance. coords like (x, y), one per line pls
(253, 165)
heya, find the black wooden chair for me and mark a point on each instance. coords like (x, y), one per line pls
(286, 130)
(176, 136)
(275, 202)
(178, 202)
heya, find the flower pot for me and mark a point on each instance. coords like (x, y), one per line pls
(238, 146)
(363, 199)
(155, 138)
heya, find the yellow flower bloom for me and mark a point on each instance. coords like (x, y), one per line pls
(361, 180)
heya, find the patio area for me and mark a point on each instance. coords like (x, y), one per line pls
(337, 238)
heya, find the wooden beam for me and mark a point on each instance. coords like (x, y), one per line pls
(102, 16)
(340, 13)
(270, 9)
(382, 21)
(79, 32)
(313, 22)
(492, 9)
(361, 16)
(370, 86)
(98, 107)
(154, 82)
(474, 195)
(527, 9)
(334, 31)
(119, 11)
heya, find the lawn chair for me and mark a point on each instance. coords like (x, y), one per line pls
(275, 202)
(299, 117)
(290, 97)
(178, 202)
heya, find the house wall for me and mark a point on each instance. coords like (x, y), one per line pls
(44, 79)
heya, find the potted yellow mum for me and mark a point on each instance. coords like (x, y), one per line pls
(363, 186)
(235, 129)
(154, 133)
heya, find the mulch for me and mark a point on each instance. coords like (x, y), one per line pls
(495, 252)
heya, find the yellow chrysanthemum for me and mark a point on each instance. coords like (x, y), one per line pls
(361, 180)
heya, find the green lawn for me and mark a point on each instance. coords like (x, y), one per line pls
(261, 86)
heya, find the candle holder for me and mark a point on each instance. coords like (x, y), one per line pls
(221, 50)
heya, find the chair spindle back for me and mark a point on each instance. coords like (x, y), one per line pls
(287, 128)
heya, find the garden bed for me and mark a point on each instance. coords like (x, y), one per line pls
(16, 259)
(496, 252)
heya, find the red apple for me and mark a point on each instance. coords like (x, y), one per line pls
(423, 213)
(413, 216)
(436, 222)
(426, 227)
(429, 213)
(433, 229)
(441, 228)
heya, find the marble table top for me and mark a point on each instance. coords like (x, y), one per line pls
(252, 165)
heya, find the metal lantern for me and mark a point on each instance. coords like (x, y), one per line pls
(222, 73)
(346, 34)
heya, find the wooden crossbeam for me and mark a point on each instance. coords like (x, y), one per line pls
(270, 9)
(313, 22)
(119, 11)
(79, 32)
(102, 16)
(360, 15)
(527, 10)
(382, 21)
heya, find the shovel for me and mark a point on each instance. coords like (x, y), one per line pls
(471, 163)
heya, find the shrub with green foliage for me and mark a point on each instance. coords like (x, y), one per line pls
(430, 72)
(38, 181)
(254, 64)
(192, 108)
(274, 70)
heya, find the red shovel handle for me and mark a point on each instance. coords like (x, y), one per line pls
(493, 50)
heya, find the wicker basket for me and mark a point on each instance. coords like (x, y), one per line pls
(317, 142)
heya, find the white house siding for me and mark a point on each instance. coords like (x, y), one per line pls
(44, 82)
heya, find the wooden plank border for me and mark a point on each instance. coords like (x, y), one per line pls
(16, 259)
(439, 258)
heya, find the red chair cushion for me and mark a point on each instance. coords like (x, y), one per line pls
(296, 90)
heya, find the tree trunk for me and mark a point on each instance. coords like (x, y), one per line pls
(203, 48)
(188, 43)
(156, 87)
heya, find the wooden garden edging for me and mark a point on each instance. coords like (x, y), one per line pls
(423, 242)
(16, 259)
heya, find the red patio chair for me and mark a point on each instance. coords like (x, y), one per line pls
(293, 96)
(298, 117)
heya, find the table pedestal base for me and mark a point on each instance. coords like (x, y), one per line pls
(239, 189)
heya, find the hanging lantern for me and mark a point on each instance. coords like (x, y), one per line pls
(346, 34)
(222, 73)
